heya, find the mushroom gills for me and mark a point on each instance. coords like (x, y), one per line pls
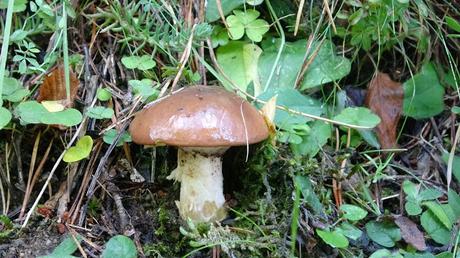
(199, 170)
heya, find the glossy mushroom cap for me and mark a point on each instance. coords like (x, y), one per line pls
(200, 116)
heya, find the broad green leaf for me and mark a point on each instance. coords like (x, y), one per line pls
(80, 151)
(352, 212)
(212, 12)
(239, 63)
(110, 135)
(19, 5)
(120, 246)
(32, 112)
(349, 230)
(454, 203)
(100, 112)
(103, 94)
(410, 189)
(359, 116)
(5, 117)
(311, 199)
(423, 94)
(325, 67)
(385, 253)
(413, 208)
(293, 100)
(440, 213)
(13, 90)
(312, 142)
(435, 229)
(334, 239)
(18, 35)
(430, 194)
(383, 233)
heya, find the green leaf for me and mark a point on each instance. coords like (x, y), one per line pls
(453, 23)
(435, 229)
(13, 90)
(440, 213)
(239, 63)
(120, 246)
(445, 255)
(256, 29)
(65, 249)
(413, 208)
(212, 12)
(359, 116)
(385, 253)
(334, 239)
(5, 117)
(80, 151)
(142, 63)
(294, 100)
(18, 35)
(219, 36)
(235, 27)
(383, 233)
(430, 194)
(130, 62)
(110, 135)
(103, 94)
(99, 112)
(146, 62)
(352, 212)
(326, 66)
(410, 189)
(144, 88)
(32, 112)
(311, 199)
(349, 230)
(455, 109)
(454, 203)
(19, 5)
(423, 94)
(312, 142)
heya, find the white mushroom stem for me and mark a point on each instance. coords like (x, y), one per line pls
(199, 170)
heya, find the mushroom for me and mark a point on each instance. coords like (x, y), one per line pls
(203, 122)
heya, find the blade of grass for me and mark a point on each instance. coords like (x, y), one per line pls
(65, 50)
(5, 43)
(295, 217)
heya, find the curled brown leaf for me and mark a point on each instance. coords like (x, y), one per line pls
(385, 98)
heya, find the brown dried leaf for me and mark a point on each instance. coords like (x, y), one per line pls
(410, 233)
(385, 98)
(53, 87)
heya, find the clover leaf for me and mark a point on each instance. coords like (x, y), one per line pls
(246, 22)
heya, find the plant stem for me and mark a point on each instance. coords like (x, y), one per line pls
(5, 43)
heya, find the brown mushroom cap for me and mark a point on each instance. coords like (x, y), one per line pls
(199, 116)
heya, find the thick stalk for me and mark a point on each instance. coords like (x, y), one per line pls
(199, 170)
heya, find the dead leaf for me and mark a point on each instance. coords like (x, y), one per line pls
(410, 233)
(53, 87)
(385, 98)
